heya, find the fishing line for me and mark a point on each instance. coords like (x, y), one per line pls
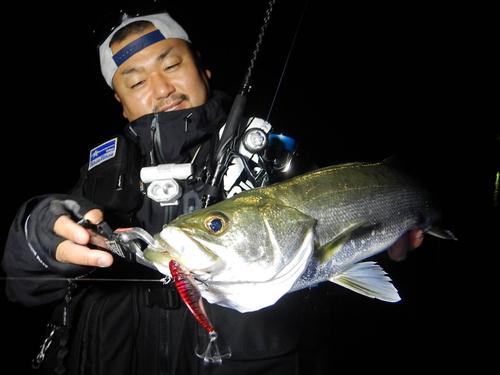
(287, 59)
(164, 280)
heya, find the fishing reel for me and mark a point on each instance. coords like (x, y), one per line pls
(280, 153)
(257, 159)
(255, 140)
(276, 151)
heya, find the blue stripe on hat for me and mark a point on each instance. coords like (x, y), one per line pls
(139, 44)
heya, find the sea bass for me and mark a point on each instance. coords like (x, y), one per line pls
(248, 251)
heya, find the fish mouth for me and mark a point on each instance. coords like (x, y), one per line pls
(187, 250)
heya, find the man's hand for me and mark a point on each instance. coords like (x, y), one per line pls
(408, 242)
(73, 250)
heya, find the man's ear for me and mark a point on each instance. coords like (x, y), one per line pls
(119, 101)
(207, 72)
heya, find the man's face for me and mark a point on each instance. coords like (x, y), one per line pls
(162, 77)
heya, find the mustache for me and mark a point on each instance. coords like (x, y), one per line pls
(169, 101)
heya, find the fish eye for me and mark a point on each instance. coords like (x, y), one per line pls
(216, 223)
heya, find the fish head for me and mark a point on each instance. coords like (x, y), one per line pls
(247, 234)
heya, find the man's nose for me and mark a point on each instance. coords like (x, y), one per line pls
(162, 87)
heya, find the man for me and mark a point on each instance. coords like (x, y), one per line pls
(139, 327)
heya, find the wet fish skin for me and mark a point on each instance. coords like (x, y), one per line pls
(295, 234)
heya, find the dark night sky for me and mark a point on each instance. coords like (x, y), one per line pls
(362, 83)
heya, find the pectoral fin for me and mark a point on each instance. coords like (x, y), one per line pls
(324, 252)
(441, 233)
(368, 279)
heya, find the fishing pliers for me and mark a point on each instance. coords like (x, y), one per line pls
(126, 243)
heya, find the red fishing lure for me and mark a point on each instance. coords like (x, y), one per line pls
(192, 298)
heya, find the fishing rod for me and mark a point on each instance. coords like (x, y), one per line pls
(226, 143)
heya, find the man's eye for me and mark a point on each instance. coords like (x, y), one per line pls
(172, 66)
(138, 84)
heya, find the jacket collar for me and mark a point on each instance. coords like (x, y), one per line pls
(174, 137)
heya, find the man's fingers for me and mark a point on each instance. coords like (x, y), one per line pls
(73, 250)
(94, 216)
(70, 252)
(408, 242)
(416, 237)
(67, 228)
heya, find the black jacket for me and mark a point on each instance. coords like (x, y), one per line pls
(142, 327)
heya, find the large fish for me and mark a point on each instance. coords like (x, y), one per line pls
(248, 251)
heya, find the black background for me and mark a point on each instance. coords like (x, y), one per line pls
(363, 82)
